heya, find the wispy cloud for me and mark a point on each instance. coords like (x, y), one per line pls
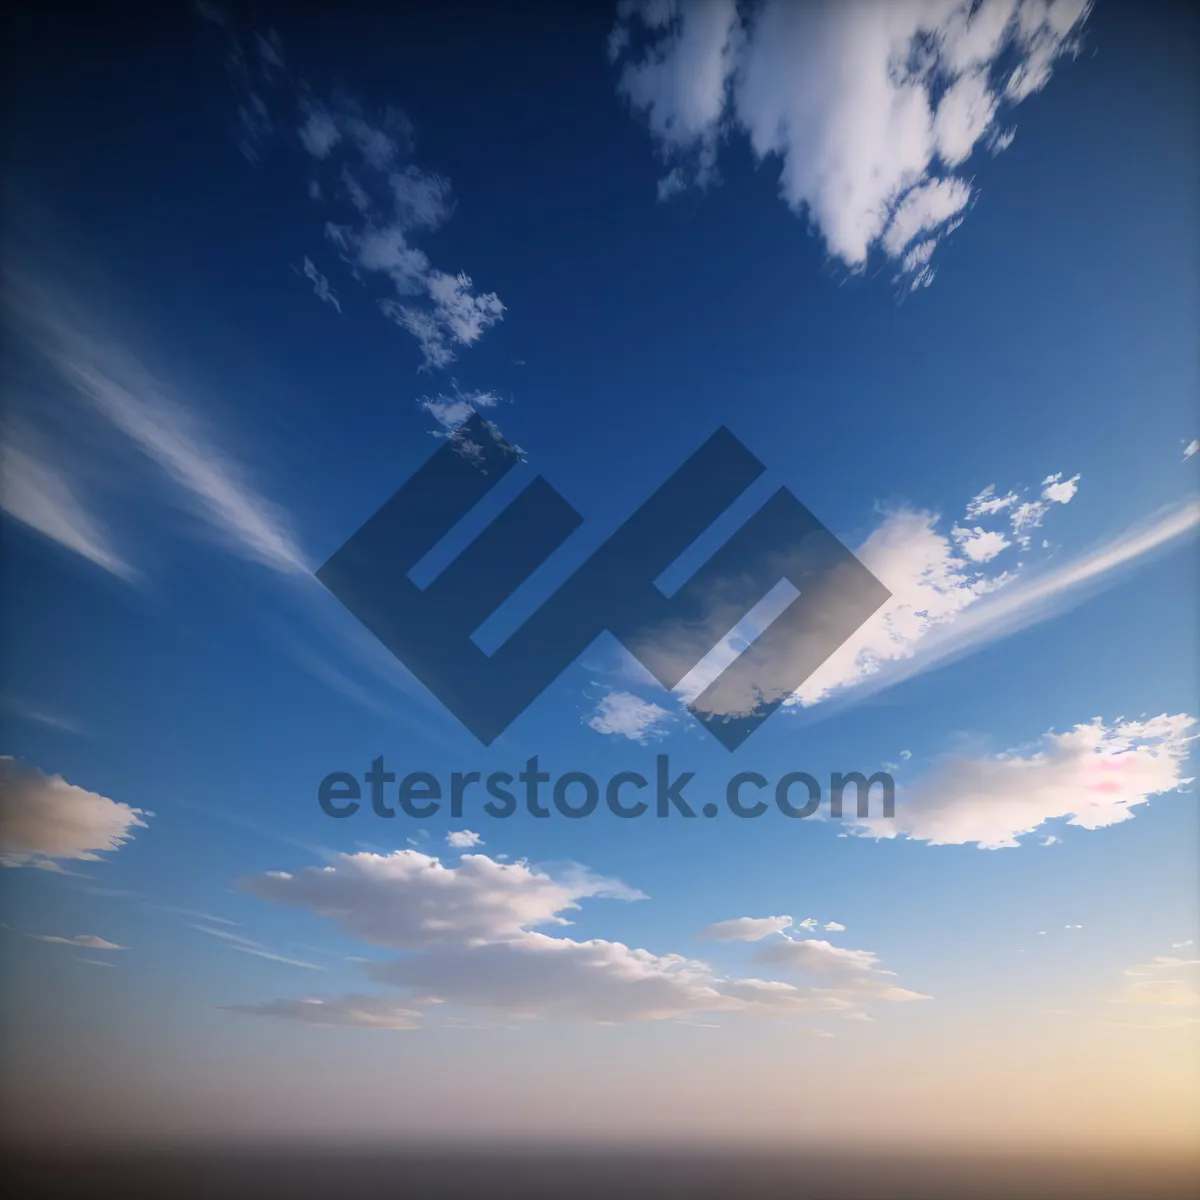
(247, 945)
(83, 941)
(37, 495)
(117, 386)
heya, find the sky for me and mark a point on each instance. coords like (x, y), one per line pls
(932, 264)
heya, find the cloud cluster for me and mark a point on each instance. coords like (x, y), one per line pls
(935, 575)
(1092, 776)
(362, 167)
(870, 110)
(474, 935)
(44, 820)
(387, 202)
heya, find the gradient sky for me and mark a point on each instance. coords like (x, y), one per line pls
(935, 267)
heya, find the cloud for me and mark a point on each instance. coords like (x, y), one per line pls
(1035, 596)
(35, 494)
(83, 941)
(1167, 983)
(834, 927)
(44, 819)
(979, 545)
(868, 109)
(386, 203)
(930, 585)
(321, 288)
(1191, 448)
(247, 945)
(383, 202)
(407, 900)
(115, 385)
(471, 940)
(463, 839)
(1031, 514)
(372, 1012)
(451, 410)
(850, 973)
(623, 714)
(1094, 776)
(744, 929)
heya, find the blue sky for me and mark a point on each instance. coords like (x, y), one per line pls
(255, 268)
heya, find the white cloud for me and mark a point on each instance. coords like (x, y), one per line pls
(83, 941)
(979, 545)
(43, 819)
(387, 202)
(626, 715)
(744, 929)
(987, 503)
(848, 972)
(38, 496)
(807, 923)
(866, 108)
(452, 410)
(463, 839)
(1033, 596)
(407, 900)
(1031, 514)
(834, 927)
(1058, 490)
(1093, 776)
(930, 585)
(120, 388)
(1191, 448)
(472, 930)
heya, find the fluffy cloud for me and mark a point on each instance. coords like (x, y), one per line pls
(1191, 448)
(626, 715)
(472, 942)
(1093, 776)
(463, 839)
(44, 819)
(849, 974)
(407, 900)
(868, 109)
(744, 929)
